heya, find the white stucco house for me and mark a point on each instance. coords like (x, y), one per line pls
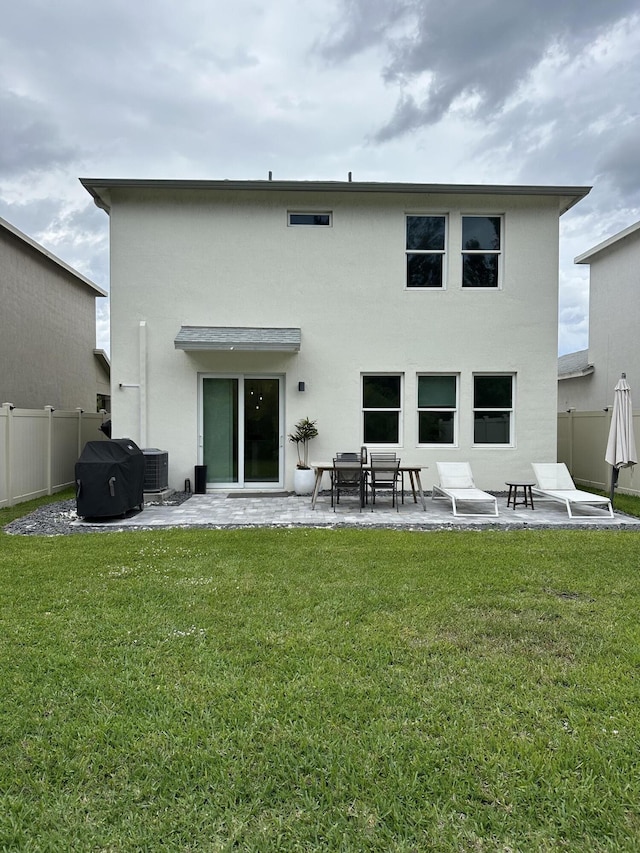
(48, 354)
(586, 379)
(416, 317)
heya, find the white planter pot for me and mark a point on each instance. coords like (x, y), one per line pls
(303, 481)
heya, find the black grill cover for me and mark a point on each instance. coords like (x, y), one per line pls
(109, 478)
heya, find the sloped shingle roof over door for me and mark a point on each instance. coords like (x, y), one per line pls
(238, 338)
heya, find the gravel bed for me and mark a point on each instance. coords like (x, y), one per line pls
(56, 519)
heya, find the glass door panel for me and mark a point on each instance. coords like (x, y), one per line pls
(220, 429)
(261, 430)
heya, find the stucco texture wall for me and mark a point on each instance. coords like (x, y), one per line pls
(614, 320)
(229, 259)
(47, 331)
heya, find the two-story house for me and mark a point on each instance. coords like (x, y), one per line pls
(587, 378)
(416, 317)
(48, 354)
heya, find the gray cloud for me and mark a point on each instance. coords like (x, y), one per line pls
(478, 51)
(620, 162)
(31, 140)
(362, 24)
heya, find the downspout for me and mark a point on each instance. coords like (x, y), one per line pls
(143, 382)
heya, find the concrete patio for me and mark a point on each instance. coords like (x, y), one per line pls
(234, 510)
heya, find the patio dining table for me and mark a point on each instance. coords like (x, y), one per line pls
(413, 472)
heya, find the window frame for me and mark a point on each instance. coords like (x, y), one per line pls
(499, 253)
(455, 409)
(310, 213)
(511, 410)
(399, 410)
(442, 253)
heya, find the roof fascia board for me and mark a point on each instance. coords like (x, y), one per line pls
(587, 257)
(577, 374)
(50, 256)
(100, 188)
(103, 359)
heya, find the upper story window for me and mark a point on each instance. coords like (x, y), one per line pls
(437, 408)
(425, 251)
(481, 251)
(493, 409)
(382, 408)
(310, 218)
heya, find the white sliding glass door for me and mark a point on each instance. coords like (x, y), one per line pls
(242, 431)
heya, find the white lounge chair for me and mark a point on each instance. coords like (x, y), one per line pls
(555, 482)
(456, 484)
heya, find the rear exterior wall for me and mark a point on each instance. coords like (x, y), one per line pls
(216, 258)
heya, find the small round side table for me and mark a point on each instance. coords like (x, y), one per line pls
(525, 485)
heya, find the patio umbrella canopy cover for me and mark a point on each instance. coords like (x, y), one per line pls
(621, 445)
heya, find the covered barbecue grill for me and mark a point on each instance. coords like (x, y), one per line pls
(109, 478)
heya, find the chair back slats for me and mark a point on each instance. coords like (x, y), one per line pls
(383, 456)
(553, 476)
(346, 476)
(455, 475)
(384, 472)
(347, 471)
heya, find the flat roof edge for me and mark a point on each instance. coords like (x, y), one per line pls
(94, 185)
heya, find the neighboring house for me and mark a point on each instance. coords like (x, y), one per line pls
(47, 329)
(586, 379)
(419, 318)
(103, 380)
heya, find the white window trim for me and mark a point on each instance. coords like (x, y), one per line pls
(455, 410)
(511, 410)
(499, 252)
(399, 410)
(443, 252)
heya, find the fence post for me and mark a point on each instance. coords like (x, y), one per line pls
(50, 410)
(570, 431)
(608, 471)
(8, 452)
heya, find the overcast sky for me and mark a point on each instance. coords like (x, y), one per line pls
(489, 91)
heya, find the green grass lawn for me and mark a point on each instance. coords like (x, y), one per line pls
(336, 690)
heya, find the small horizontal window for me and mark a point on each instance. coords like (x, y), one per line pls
(310, 219)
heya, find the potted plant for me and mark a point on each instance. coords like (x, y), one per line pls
(304, 476)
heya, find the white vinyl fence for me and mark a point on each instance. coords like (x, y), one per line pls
(39, 449)
(582, 443)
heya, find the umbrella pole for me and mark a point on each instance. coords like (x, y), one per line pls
(614, 482)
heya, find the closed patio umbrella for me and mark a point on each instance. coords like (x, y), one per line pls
(621, 446)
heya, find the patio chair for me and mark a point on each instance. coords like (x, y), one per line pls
(347, 477)
(555, 483)
(456, 484)
(383, 476)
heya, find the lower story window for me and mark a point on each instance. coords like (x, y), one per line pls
(437, 409)
(381, 407)
(493, 409)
